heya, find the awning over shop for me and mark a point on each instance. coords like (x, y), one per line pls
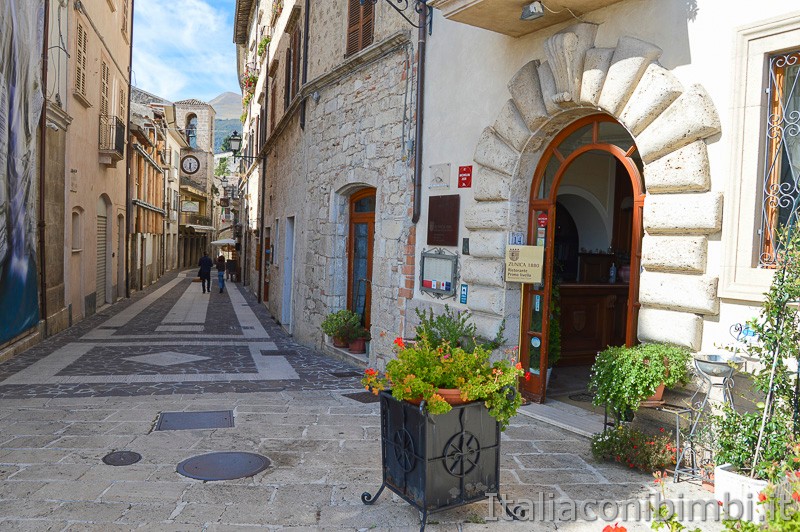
(199, 228)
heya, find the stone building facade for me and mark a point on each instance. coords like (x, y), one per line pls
(333, 126)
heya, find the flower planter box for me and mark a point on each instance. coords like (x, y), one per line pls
(731, 487)
(437, 462)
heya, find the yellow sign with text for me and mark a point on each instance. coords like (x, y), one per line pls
(524, 264)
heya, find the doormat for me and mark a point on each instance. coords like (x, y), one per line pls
(223, 466)
(583, 397)
(122, 458)
(362, 397)
(220, 419)
(344, 374)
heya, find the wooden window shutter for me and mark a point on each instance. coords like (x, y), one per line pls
(367, 24)
(122, 103)
(104, 84)
(353, 27)
(295, 63)
(80, 61)
(272, 97)
(287, 79)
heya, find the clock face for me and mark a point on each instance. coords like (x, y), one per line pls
(190, 164)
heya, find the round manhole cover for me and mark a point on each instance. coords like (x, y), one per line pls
(122, 458)
(223, 466)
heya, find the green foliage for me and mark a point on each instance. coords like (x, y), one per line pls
(222, 167)
(454, 328)
(634, 448)
(422, 368)
(341, 324)
(777, 330)
(262, 45)
(623, 376)
(737, 436)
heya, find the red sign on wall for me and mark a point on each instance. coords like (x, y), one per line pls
(464, 176)
(541, 220)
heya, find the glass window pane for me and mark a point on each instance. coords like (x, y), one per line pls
(614, 133)
(579, 138)
(537, 306)
(535, 350)
(365, 204)
(549, 175)
(358, 284)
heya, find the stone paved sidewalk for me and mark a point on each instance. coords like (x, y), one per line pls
(101, 385)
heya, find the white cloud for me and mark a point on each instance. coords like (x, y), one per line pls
(184, 48)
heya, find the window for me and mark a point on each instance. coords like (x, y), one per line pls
(272, 105)
(105, 74)
(782, 162)
(81, 45)
(287, 80)
(122, 103)
(191, 131)
(360, 23)
(125, 17)
(77, 232)
(295, 84)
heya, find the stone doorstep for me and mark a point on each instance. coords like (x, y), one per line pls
(565, 416)
(344, 355)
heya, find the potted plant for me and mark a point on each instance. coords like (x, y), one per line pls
(751, 446)
(262, 45)
(340, 325)
(622, 377)
(358, 341)
(634, 448)
(424, 372)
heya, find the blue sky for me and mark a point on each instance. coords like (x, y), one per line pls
(184, 48)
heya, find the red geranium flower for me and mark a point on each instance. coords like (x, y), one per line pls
(762, 497)
(528, 376)
(796, 496)
(399, 343)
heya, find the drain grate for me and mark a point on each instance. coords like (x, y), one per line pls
(344, 374)
(220, 419)
(583, 397)
(362, 397)
(223, 466)
(122, 458)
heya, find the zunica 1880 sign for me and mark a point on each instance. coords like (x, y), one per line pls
(524, 264)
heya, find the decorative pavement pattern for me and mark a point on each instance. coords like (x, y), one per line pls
(172, 339)
(101, 386)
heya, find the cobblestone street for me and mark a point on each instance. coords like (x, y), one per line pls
(101, 385)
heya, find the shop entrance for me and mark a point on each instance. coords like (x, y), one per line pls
(586, 211)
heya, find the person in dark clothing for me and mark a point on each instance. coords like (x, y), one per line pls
(221, 272)
(205, 272)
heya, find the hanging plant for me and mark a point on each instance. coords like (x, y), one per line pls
(277, 8)
(262, 45)
(246, 100)
(249, 80)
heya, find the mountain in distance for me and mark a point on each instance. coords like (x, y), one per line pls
(228, 108)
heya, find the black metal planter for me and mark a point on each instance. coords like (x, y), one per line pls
(437, 462)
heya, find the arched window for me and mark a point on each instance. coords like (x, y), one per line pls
(191, 130)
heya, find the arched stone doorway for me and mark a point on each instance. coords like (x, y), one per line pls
(670, 126)
(596, 158)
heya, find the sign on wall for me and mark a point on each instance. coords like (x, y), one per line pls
(190, 206)
(443, 220)
(438, 273)
(465, 176)
(524, 264)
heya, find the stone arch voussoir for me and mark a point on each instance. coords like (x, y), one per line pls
(670, 125)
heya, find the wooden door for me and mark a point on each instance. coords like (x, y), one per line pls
(359, 252)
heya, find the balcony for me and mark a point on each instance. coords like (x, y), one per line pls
(112, 140)
(503, 16)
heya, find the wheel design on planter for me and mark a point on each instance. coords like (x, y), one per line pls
(404, 450)
(461, 454)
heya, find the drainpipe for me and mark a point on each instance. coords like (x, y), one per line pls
(423, 36)
(128, 165)
(306, 24)
(42, 158)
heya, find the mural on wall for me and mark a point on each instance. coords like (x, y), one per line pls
(21, 31)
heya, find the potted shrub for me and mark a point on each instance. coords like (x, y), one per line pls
(622, 377)
(262, 45)
(752, 446)
(635, 449)
(358, 341)
(340, 325)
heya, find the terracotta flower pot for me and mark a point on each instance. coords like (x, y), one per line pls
(339, 342)
(656, 398)
(450, 395)
(358, 346)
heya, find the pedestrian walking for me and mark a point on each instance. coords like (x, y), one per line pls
(205, 272)
(221, 272)
(230, 270)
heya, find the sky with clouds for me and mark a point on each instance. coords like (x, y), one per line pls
(184, 48)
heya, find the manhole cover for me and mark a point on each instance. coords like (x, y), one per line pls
(362, 397)
(582, 397)
(220, 419)
(223, 466)
(344, 374)
(122, 458)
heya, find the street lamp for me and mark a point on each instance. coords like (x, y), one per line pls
(235, 144)
(402, 5)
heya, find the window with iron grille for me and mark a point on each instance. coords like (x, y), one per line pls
(360, 25)
(81, 46)
(781, 179)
